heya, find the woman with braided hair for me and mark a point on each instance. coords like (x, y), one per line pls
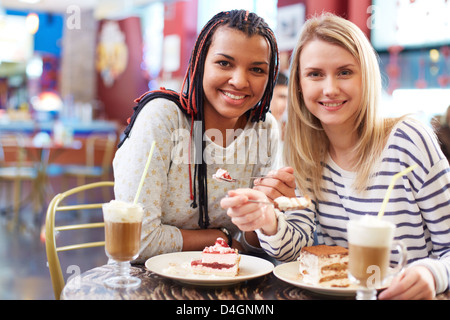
(219, 120)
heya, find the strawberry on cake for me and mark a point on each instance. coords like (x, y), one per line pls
(219, 260)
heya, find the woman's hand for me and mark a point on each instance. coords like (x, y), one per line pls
(279, 183)
(249, 216)
(416, 283)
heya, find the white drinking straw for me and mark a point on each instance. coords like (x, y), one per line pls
(144, 173)
(391, 186)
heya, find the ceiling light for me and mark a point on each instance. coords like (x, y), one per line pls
(32, 23)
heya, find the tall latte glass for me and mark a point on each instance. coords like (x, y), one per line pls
(370, 242)
(123, 223)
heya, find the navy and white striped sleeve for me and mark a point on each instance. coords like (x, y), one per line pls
(433, 198)
(295, 230)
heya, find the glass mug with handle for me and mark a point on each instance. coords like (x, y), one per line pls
(370, 243)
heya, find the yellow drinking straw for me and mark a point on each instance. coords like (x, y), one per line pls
(391, 186)
(145, 172)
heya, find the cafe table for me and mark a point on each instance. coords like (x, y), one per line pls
(45, 154)
(42, 154)
(89, 286)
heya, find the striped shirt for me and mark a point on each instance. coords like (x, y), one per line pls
(419, 204)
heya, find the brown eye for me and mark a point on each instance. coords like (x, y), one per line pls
(258, 70)
(223, 63)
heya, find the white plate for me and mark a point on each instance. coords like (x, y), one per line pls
(176, 267)
(289, 273)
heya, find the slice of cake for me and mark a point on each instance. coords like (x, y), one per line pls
(222, 174)
(219, 260)
(286, 204)
(324, 265)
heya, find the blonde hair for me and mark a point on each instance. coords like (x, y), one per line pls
(306, 144)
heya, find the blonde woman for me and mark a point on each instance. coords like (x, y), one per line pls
(344, 155)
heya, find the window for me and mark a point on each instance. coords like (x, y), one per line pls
(411, 24)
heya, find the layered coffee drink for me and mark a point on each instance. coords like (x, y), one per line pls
(370, 242)
(123, 223)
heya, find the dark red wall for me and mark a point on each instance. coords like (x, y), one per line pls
(181, 19)
(118, 99)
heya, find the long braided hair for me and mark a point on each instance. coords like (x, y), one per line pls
(191, 98)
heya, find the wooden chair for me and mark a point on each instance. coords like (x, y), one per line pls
(98, 161)
(57, 205)
(15, 169)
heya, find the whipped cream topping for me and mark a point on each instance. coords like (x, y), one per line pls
(285, 203)
(120, 211)
(370, 231)
(220, 246)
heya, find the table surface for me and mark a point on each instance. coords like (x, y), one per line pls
(79, 127)
(89, 286)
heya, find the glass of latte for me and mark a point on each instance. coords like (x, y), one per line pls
(123, 223)
(370, 242)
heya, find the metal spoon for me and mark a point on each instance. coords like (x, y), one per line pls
(257, 201)
(261, 202)
(234, 180)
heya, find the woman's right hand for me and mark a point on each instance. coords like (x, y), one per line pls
(250, 216)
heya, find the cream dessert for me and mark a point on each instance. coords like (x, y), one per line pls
(297, 203)
(323, 265)
(222, 174)
(219, 259)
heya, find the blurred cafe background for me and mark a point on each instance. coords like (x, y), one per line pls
(70, 70)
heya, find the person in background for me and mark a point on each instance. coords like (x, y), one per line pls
(278, 107)
(344, 156)
(443, 134)
(224, 101)
(278, 104)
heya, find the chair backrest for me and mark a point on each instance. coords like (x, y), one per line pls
(12, 149)
(103, 144)
(15, 165)
(55, 206)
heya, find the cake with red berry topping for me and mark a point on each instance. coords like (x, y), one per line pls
(222, 174)
(219, 260)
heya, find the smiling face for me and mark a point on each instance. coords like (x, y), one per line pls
(235, 76)
(330, 81)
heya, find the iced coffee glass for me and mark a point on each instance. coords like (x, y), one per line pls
(370, 242)
(123, 223)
